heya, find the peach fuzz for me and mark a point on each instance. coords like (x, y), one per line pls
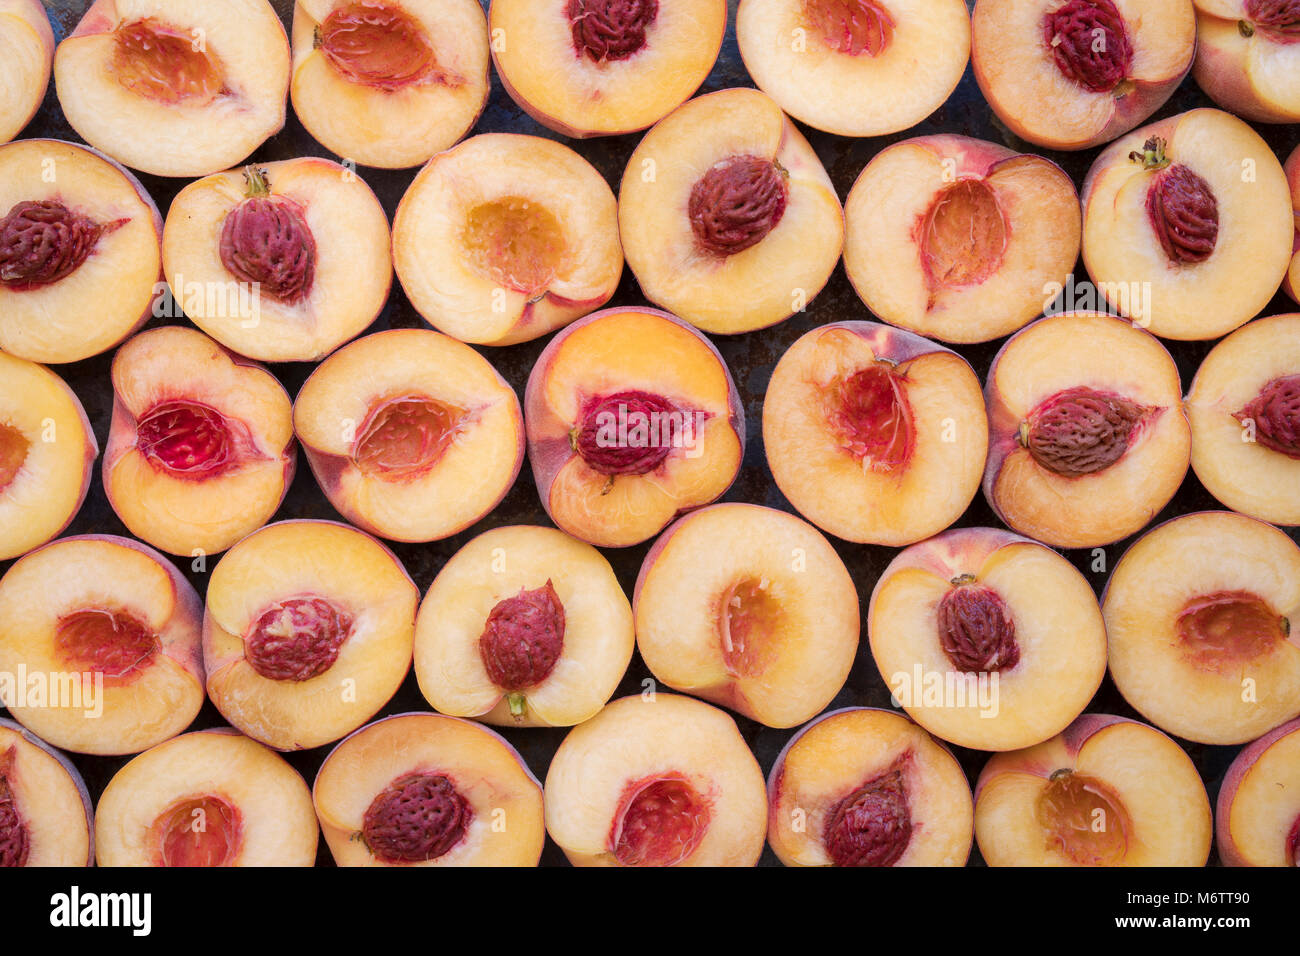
(867, 787)
(978, 606)
(27, 55)
(80, 259)
(1248, 57)
(46, 817)
(874, 434)
(524, 627)
(112, 628)
(208, 81)
(600, 67)
(388, 83)
(505, 238)
(855, 67)
(1108, 791)
(1087, 435)
(1244, 408)
(201, 450)
(47, 455)
(958, 239)
(656, 780)
(750, 608)
(427, 790)
(412, 435)
(307, 632)
(280, 262)
(1187, 224)
(1257, 818)
(633, 418)
(1201, 614)
(208, 798)
(1291, 284)
(1076, 74)
(727, 216)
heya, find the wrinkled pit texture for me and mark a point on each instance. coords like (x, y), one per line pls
(629, 433)
(114, 643)
(1081, 431)
(610, 30)
(523, 638)
(1184, 215)
(660, 822)
(297, 639)
(977, 631)
(266, 240)
(734, 205)
(1089, 43)
(872, 826)
(43, 241)
(416, 818)
(15, 839)
(1275, 412)
(166, 63)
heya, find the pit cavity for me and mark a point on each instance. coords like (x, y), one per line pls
(187, 439)
(963, 235)
(198, 831)
(660, 821)
(1225, 629)
(736, 203)
(1081, 431)
(870, 414)
(851, 27)
(872, 826)
(167, 64)
(14, 447)
(403, 438)
(749, 624)
(976, 629)
(416, 818)
(1083, 819)
(610, 30)
(379, 45)
(515, 242)
(297, 638)
(15, 837)
(114, 643)
(1090, 44)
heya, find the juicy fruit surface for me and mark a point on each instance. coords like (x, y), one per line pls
(186, 439)
(377, 44)
(1083, 819)
(161, 62)
(206, 831)
(870, 412)
(963, 235)
(851, 27)
(114, 643)
(660, 823)
(404, 437)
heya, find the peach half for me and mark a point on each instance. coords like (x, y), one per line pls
(103, 636)
(1244, 408)
(388, 83)
(208, 798)
(80, 259)
(201, 450)
(505, 238)
(633, 418)
(1109, 791)
(46, 818)
(874, 434)
(208, 81)
(656, 780)
(604, 67)
(867, 787)
(282, 262)
(428, 790)
(412, 435)
(27, 54)
(1257, 818)
(1248, 57)
(750, 608)
(728, 217)
(987, 639)
(1087, 436)
(525, 627)
(1201, 614)
(307, 632)
(855, 67)
(1187, 225)
(957, 239)
(1291, 284)
(47, 455)
(1076, 74)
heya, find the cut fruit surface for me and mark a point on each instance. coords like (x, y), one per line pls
(1248, 57)
(46, 818)
(1258, 812)
(27, 52)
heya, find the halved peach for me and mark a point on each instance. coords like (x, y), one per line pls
(601, 68)
(26, 56)
(282, 262)
(506, 238)
(750, 608)
(427, 790)
(208, 798)
(1187, 225)
(106, 631)
(1109, 791)
(208, 81)
(412, 435)
(524, 627)
(1201, 613)
(656, 780)
(1257, 818)
(956, 238)
(1291, 284)
(1248, 57)
(855, 67)
(728, 217)
(307, 632)
(80, 260)
(874, 434)
(47, 454)
(987, 639)
(46, 818)
(1244, 408)
(1087, 435)
(867, 787)
(388, 83)
(201, 449)
(633, 418)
